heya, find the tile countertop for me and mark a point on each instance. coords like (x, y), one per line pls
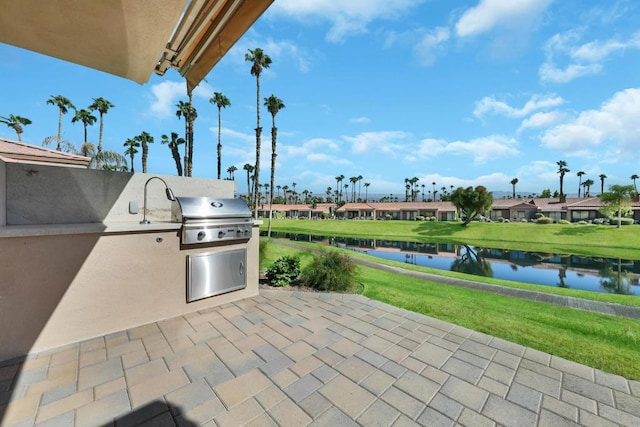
(90, 228)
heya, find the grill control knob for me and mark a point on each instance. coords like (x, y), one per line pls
(221, 234)
(201, 235)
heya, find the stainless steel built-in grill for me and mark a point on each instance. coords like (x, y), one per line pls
(211, 222)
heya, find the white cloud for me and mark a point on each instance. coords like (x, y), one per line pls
(489, 14)
(488, 105)
(580, 59)
(614, 127)
(165, 96)
(429, 45)
(549, 72)
(360, 120)
(482, 149)
(387, 141)
(346, 18)
(310, 146)
(541, 120)
(328, 159)
(283, 52)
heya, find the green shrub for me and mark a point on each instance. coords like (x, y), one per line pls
(564, 222)
(284, 271)
(329, 271)
(433, 218)
(623, 221)
(544, 220)
(539, 215)
(582, 222)
(388, 216)
(419, 218)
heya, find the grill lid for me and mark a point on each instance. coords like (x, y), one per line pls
(184, 209)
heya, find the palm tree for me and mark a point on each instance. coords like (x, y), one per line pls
(63, 105)
(339, 179)
(144, 139)
(562, 170)
(173, 146)
(353, 181)
(102, 105)
(602, 178)
(221, 102)
(514, 181)
(633, 178)
(259, 60)
(86, 118)
(366, 191)
(131, 145)
(580, 174)
(359, 177)
(249, 169)
(16, 122)
(278, 187)
(587, 184)
(107, 160)
(190, 114)
(423, 185)
(274, 105)
(414, 183)
(293, 192)
(285, 188)
(231, 170)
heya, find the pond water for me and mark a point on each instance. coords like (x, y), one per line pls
(568, 271)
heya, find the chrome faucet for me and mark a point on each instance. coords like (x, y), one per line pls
(167, 190)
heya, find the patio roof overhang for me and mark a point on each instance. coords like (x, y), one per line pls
(131, 38)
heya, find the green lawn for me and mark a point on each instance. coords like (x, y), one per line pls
(587, 240)
(603, 342)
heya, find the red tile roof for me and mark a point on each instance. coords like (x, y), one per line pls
(18, 152)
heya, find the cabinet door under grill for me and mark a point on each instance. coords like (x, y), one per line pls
(215, 273)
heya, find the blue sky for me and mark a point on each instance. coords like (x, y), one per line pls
(457, 92)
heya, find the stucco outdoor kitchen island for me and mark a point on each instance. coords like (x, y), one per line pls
(77, 263)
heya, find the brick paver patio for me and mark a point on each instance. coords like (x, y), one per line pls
(294, 359)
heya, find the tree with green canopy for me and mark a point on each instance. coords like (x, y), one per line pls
(471, 202)
(102, 105)
(63, 105)
(259, 61)
(173, 144)
(274, 105)
(86, 118)
(580, 174)
(514, 181)
(562, 171)
(131, 149)
(144, 139)
(188, 111)
(16, 122)
(617, 201)
(220, 101)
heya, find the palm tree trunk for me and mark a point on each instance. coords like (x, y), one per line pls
(190, 139)
(145, 153)
(257, 166)
(100, 137)
(219, 145)
(274, 134)
(59, 131)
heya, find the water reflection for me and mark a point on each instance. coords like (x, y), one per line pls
(566, 271)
